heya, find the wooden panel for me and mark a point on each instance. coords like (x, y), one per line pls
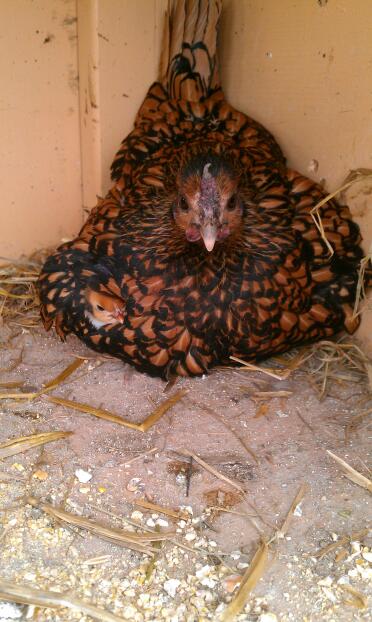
(39, 125)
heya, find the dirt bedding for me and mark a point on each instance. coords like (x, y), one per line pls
(262, 439)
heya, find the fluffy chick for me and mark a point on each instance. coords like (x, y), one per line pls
(103, 308)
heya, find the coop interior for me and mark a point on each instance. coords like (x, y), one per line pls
(242, 494)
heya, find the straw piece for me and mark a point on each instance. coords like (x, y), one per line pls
(264, 395)
(107, 416)
(49, 386)
(135, 541)
(357, 535)
(4, 292)
(161, 410)
(368, 367)
(354, 176)
(294, 362)
(319, 224)
(296, 501)
(124, 519)
(151, 565)
(23, 443)
(18, 292)
(19, 280)
(20, 396)
(352, 474)
(250, 579)
(91, 410)
(43, 598)
(64, 374)
(258, 564)
(11, 385)
(359, 600)
(207, 467)
(277, 374)
(158, 508)
(141, 455)
(360, 290)
(9, 477)
(94, 561)
(324, 362)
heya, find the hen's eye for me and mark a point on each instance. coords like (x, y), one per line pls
(99, 308)
(183, 205)
(231, 204)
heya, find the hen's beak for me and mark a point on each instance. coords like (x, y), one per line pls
(209, 235)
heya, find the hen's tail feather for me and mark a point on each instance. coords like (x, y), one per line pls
(188, 65)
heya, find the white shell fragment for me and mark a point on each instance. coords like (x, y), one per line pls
(171, 586)
(326, 582)
(367, 555)
(83, 476)
(9, 611)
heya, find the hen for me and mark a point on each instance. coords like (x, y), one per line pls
(205, 246)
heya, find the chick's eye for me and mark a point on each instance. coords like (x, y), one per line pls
(99, 308)
(183, 205)
(231, 204)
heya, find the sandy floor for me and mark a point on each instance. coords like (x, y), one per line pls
(217, 420)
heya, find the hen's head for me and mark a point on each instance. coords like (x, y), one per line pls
(102, 308)
(208, 206)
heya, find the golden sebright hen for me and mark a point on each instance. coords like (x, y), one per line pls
(205, 246)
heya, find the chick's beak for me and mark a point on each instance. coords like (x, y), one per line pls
(209, 235)
(119, 316)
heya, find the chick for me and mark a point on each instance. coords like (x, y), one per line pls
(103, 308)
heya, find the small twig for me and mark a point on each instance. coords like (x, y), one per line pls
(335, 545)
(188, 475)
(141, 455)
(304, 420)
(207, 467)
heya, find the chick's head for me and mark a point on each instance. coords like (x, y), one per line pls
(103, 308)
